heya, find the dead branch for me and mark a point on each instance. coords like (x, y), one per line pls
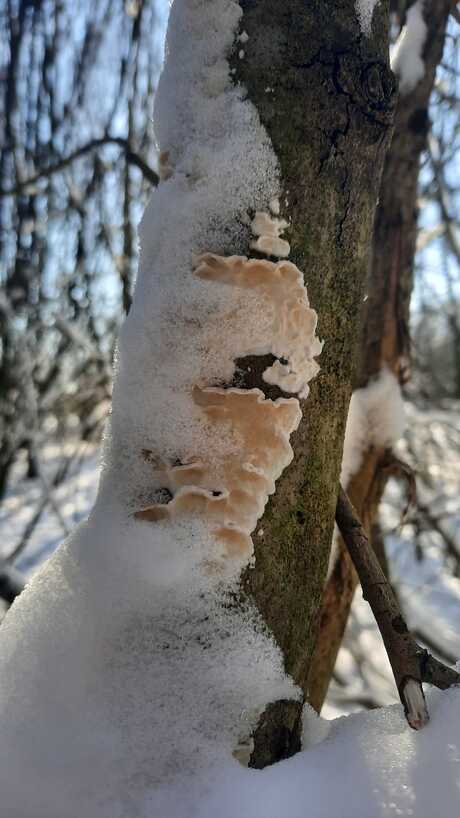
(410, 663)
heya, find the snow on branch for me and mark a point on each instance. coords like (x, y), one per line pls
(375, 419)
(406, 55)
(140, 670)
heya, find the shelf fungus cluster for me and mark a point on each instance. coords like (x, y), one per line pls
(232, 491)
(230, 488)
(292, 338)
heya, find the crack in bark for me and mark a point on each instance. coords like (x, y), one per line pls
(346, 209)
(249, 375)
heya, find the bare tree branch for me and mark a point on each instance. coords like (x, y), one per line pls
(131, 157)
(410, 663)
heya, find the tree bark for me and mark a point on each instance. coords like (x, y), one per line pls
(325, 95)
(385, 339)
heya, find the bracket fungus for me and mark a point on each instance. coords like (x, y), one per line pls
(229, 488)
(292, 334)
(268, 231)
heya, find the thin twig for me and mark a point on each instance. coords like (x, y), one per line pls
(131, 157)
(410, 663)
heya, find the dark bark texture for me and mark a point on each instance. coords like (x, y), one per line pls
(385, 337)
(326, 97)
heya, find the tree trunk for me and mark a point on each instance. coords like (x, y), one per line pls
(385, 339)
(325, 94)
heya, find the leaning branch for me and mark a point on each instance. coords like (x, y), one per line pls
(410, 663)
(131, 157)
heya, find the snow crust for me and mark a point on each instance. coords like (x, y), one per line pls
(375, 418)
(370, 766)
(117, 675)
(406, 55)
(431, 600)
(365, 12)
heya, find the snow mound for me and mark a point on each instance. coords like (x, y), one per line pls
(119, 675)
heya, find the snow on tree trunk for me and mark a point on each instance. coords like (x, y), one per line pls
(176, 626)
